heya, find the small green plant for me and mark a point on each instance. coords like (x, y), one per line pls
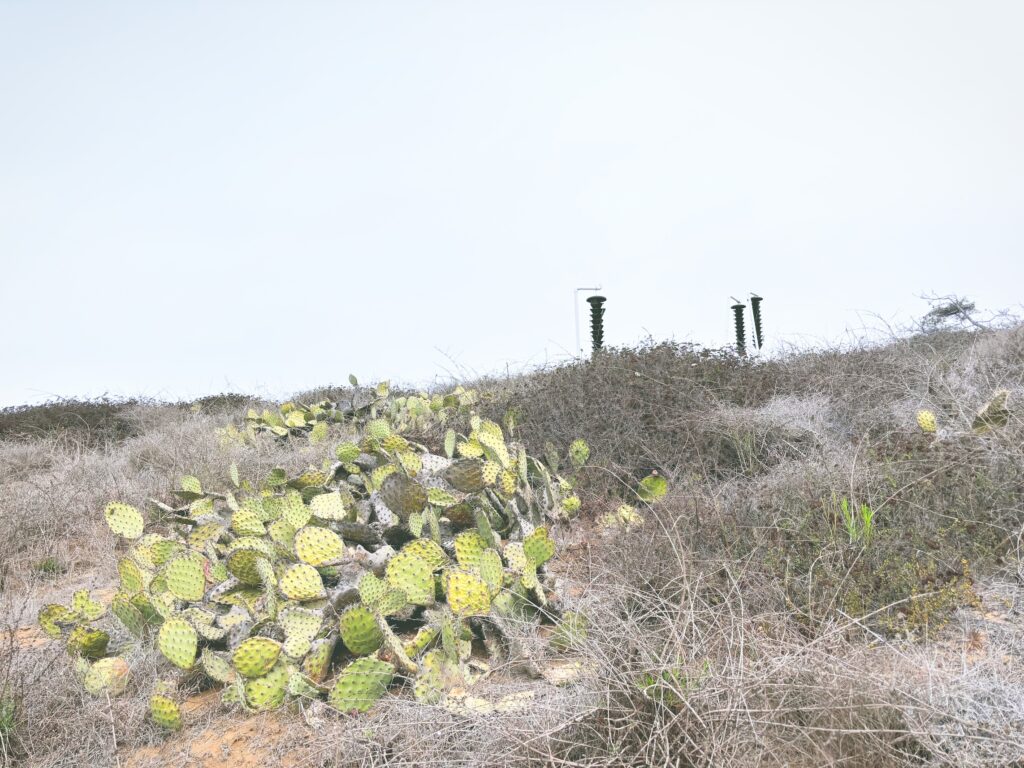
(858, 522)
(8, 718)
(50, 566)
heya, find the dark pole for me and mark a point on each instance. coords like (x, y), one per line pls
(597, 321)
(741, 345)
(755, 310)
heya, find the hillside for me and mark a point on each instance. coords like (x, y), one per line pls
(827, 581)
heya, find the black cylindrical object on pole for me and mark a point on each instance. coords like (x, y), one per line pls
(741, 341)
(755, 310)
(597, 321)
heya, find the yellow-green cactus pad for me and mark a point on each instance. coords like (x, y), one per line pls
(413, 575)
(282, 532)
(441, 498)
(107, 676)
(378, 429)
(165, 712)
(247, 522)
(569, 632)
(403, 495)
(328, 506)
(371, 589)
(178, 642)
(361, 684)
(88, 642)
(579, 452)
(508, 481)
(186, 577)
(515, 556)
(124, 520)
(491, 438)
(191, 484)
(217, 667)
(411, 462)
(302, 582)
(467, 593)
(205, 533)
(492, 572)
(469, 546)
(301, 626)
(294, 510)
(318, 546)
(256, 656)
(926, 421)
(318, 661)
(346, 453)
(164, 549)
(470, 449)
(490, 472)
(391, 602)
(380, 474)
(424, 637)
(319, 433)
(538, 547)
(55, 618)
(267, 692)
(130, 616)
(359, 630)
(309, 479)
(428, 550)
(652, 488)
(85, 606)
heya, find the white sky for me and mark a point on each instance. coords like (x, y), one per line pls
(207, 196)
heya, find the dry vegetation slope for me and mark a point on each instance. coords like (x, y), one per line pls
(742, 625)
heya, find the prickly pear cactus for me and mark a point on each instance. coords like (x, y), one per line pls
(388, 559)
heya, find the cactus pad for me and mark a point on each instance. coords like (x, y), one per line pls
(318, 660)
(178, 642)
(130, 616)
(359, 630)
(88, 642)
(469, 546)
(217, 667)
(328, 506)
(124, 520)
(538, 547)
(53, 617)
(579, 452)
(302, 582)
(107, 676)
(165, 712)
(467, 593)
(346, 453)
(301, 626)
(428, 550)
(267, 692)
(318, 546)
(361, 684)
(256, 656)
(83, 605)
(413, 575)
(926, 421)
(492, 572)
(402, 495)
(186, 577)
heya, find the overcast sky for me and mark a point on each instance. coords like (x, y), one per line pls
(206, 196)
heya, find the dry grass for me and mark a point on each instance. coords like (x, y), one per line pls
(739, 627)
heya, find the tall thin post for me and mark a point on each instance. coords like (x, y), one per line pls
(578, 352)
(741, 339)
(597, 322)
(755, 310)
